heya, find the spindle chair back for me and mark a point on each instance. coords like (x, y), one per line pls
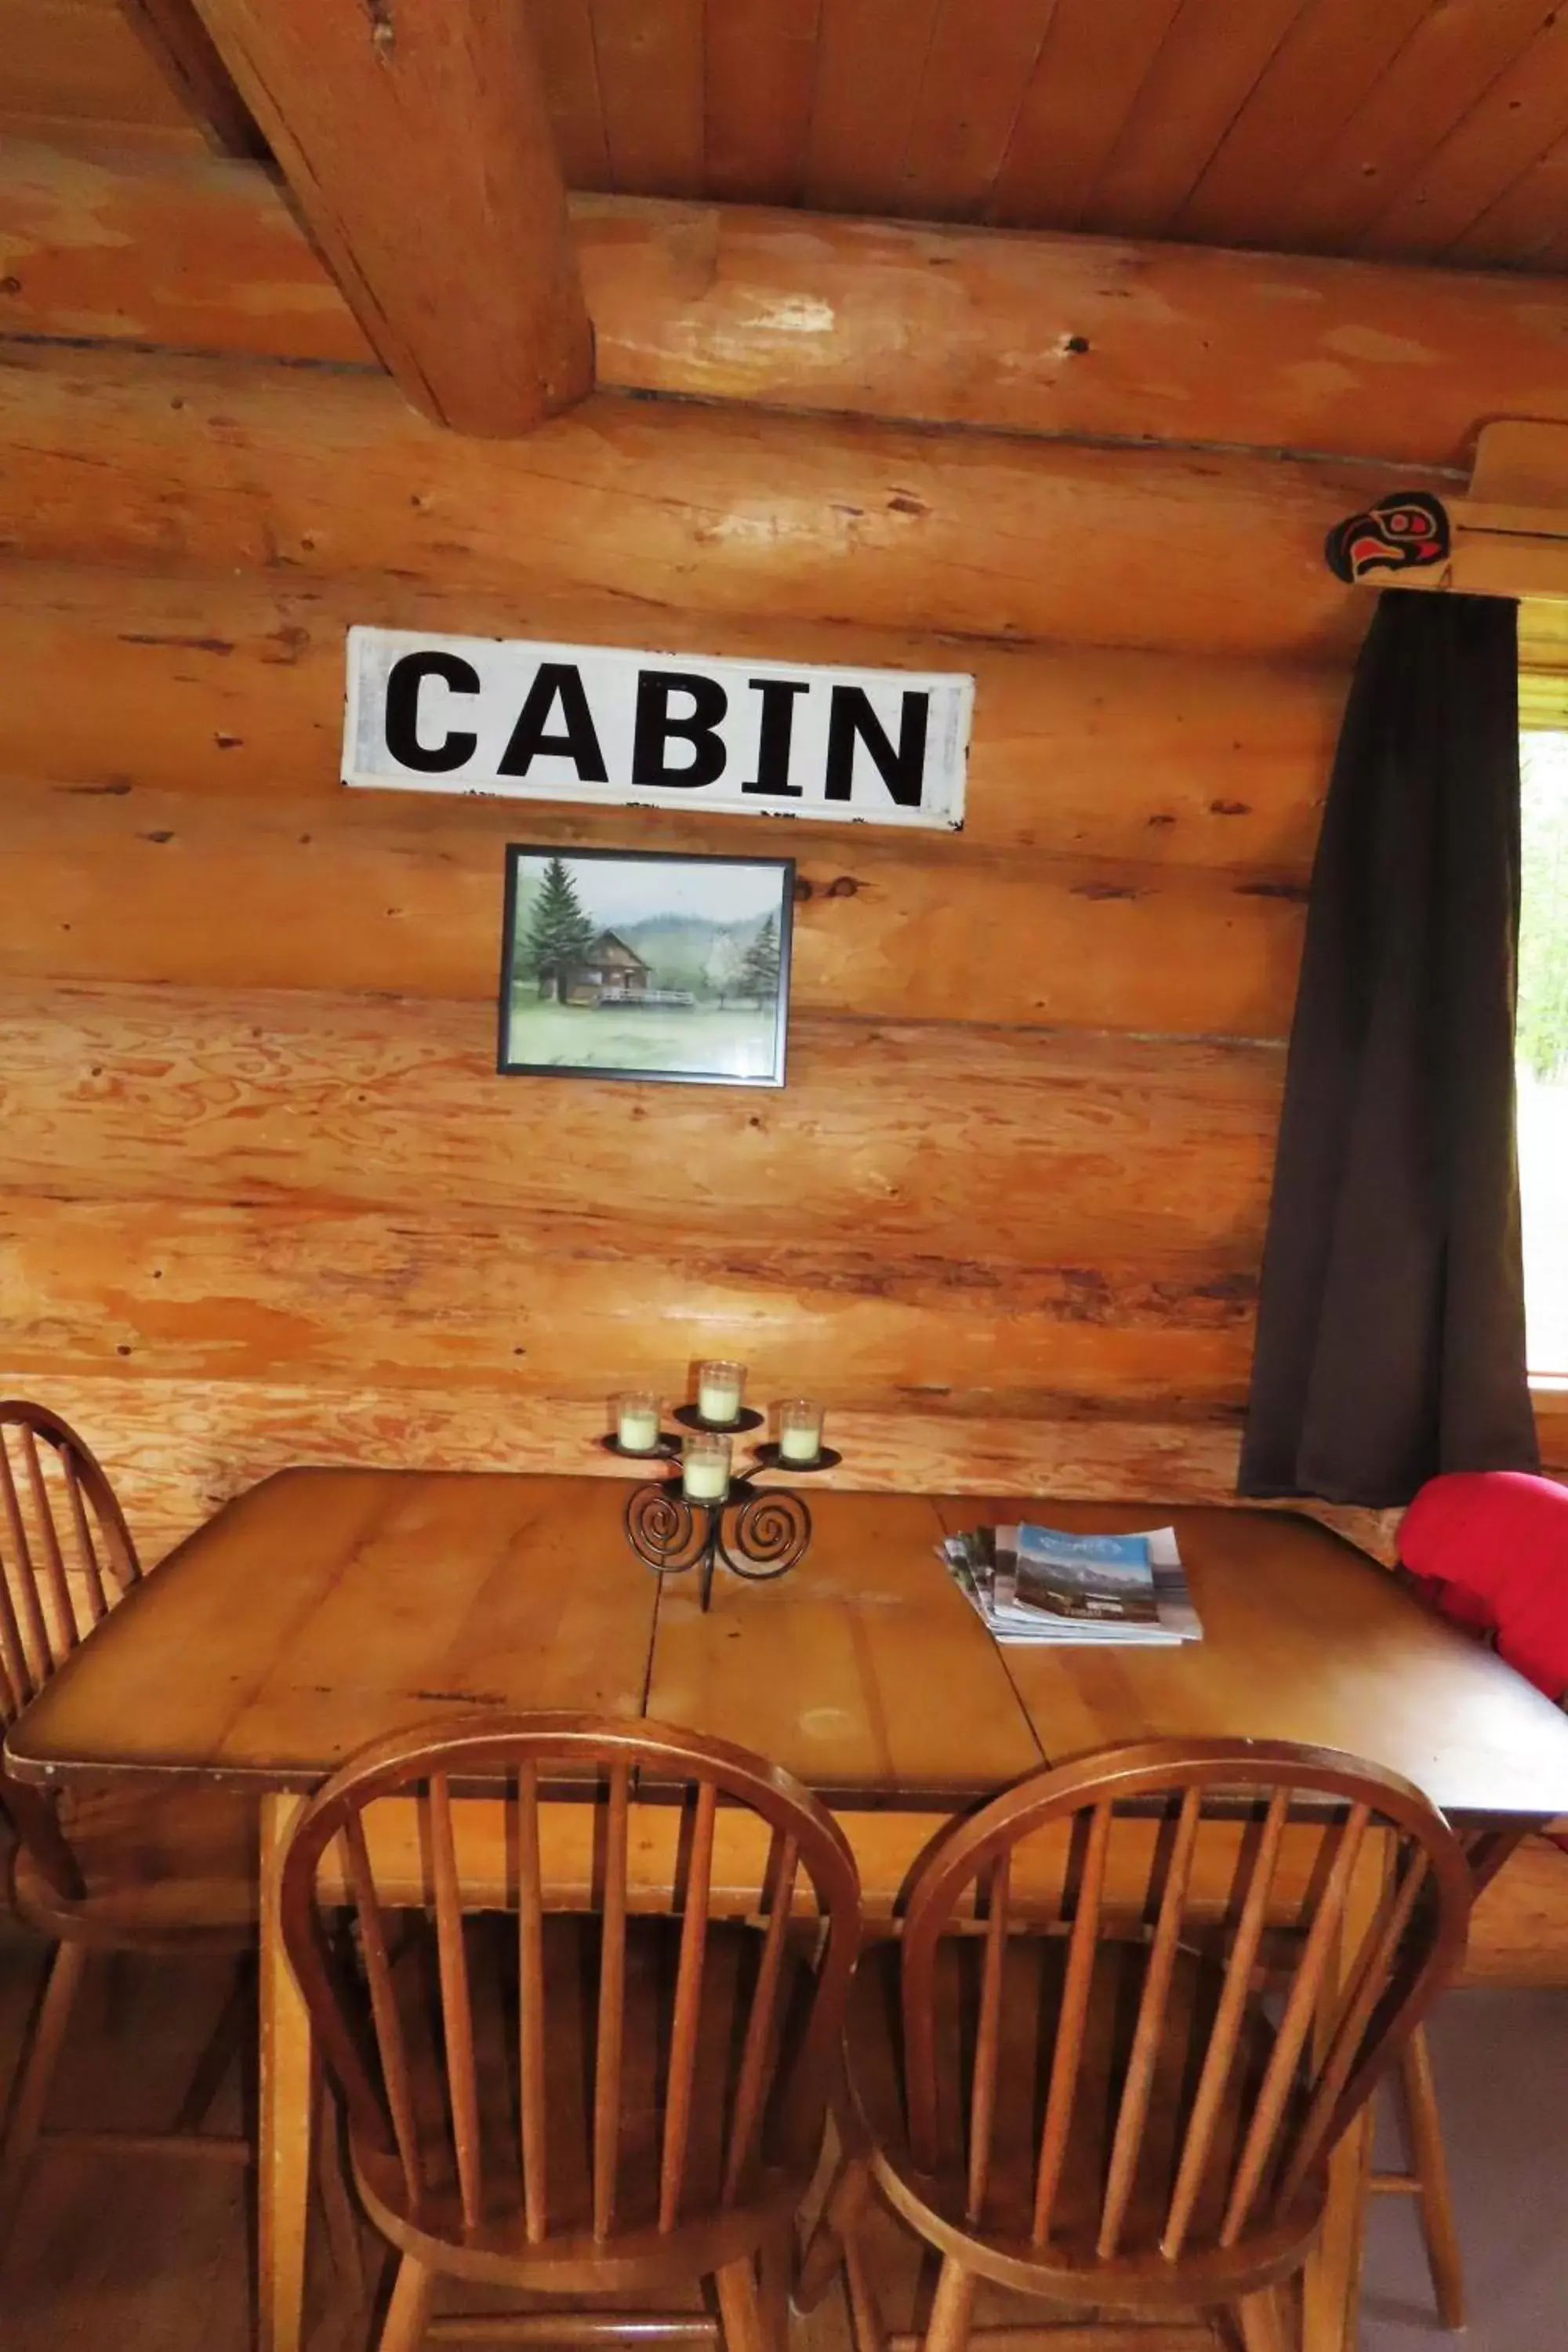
(66, 1560)
(628, 2091)
(1131, 2105)
(176, 1874)
(66, 1553)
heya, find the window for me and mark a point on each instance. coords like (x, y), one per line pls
(1543, 1051)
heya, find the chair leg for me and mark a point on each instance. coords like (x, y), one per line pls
(35, 2074)
(774, 2264)
(1435, 2197)
(845, 2202)
(867, 2327)
(338, 2211)
(952, 2308)
(222, 2048)
(408, 2313)
(740, 2307)
(1259, 2318)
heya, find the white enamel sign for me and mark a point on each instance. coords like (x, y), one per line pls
(659, 731)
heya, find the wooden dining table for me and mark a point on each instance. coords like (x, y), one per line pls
(326, 1608)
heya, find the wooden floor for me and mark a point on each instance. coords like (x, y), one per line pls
(149, 2256)
(139, 2255)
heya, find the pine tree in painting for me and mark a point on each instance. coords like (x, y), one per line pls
(560, 934)
(760, 971)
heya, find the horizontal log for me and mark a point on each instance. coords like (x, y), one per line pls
(199, 252)
(671, 505)
(235, 686)
(178, 1449)
(1043, 335)
(579, 1306)
(1073, 1146)
(135, 886)
(1518, 1929)
(82, 70)
(1075, 335)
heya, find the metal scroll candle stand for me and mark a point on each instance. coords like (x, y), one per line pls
(756, 1532)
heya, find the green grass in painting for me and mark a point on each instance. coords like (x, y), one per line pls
(704, 1040)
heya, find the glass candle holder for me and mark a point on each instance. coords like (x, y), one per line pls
(705, 1468)
(720, 1389)
(635, 1417)
(798, 1420)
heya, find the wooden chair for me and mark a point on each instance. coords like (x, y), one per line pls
(1129, 2105)
(629, 2094)
(166, 1875)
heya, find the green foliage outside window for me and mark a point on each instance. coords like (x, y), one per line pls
(1543, 1050)
(1543, 925)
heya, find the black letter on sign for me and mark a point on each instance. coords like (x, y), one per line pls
(699, 727)
(774, 741)
(404, 680)
(850, 715)
(578, 742)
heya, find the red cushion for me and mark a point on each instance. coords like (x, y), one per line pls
(1493, 1545)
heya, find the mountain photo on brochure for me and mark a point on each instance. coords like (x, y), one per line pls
(1106, 1580)
(1070, 1598)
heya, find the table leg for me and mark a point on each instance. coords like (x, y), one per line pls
(1330, 2283)
(283, 2183)
(1331, 2288)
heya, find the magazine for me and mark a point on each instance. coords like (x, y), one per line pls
(1038, 1584)
(1106, 1580)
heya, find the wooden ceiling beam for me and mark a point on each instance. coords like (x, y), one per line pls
(416, 144)
(180, 47)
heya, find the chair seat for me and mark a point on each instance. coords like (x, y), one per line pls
(639, 2253)
(173, 1870)
(998, 2242)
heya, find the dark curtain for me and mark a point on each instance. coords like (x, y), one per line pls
(1391, 1322)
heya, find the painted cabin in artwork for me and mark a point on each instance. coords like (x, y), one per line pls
(610, 973)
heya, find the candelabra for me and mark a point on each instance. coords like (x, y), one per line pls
(757, 1532)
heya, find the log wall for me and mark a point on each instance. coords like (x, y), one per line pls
(263, 1198)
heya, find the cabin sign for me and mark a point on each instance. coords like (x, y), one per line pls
(620, 729)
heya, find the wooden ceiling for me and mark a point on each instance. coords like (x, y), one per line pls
(1403, 128)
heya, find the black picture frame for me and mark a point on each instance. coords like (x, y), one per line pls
(706, 1004)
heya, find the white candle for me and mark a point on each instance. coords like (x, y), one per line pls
(637, 1432)
(704, 1478)
(800, 1435)
(719, 1388)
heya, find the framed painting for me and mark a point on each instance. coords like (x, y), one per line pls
(620, 964)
